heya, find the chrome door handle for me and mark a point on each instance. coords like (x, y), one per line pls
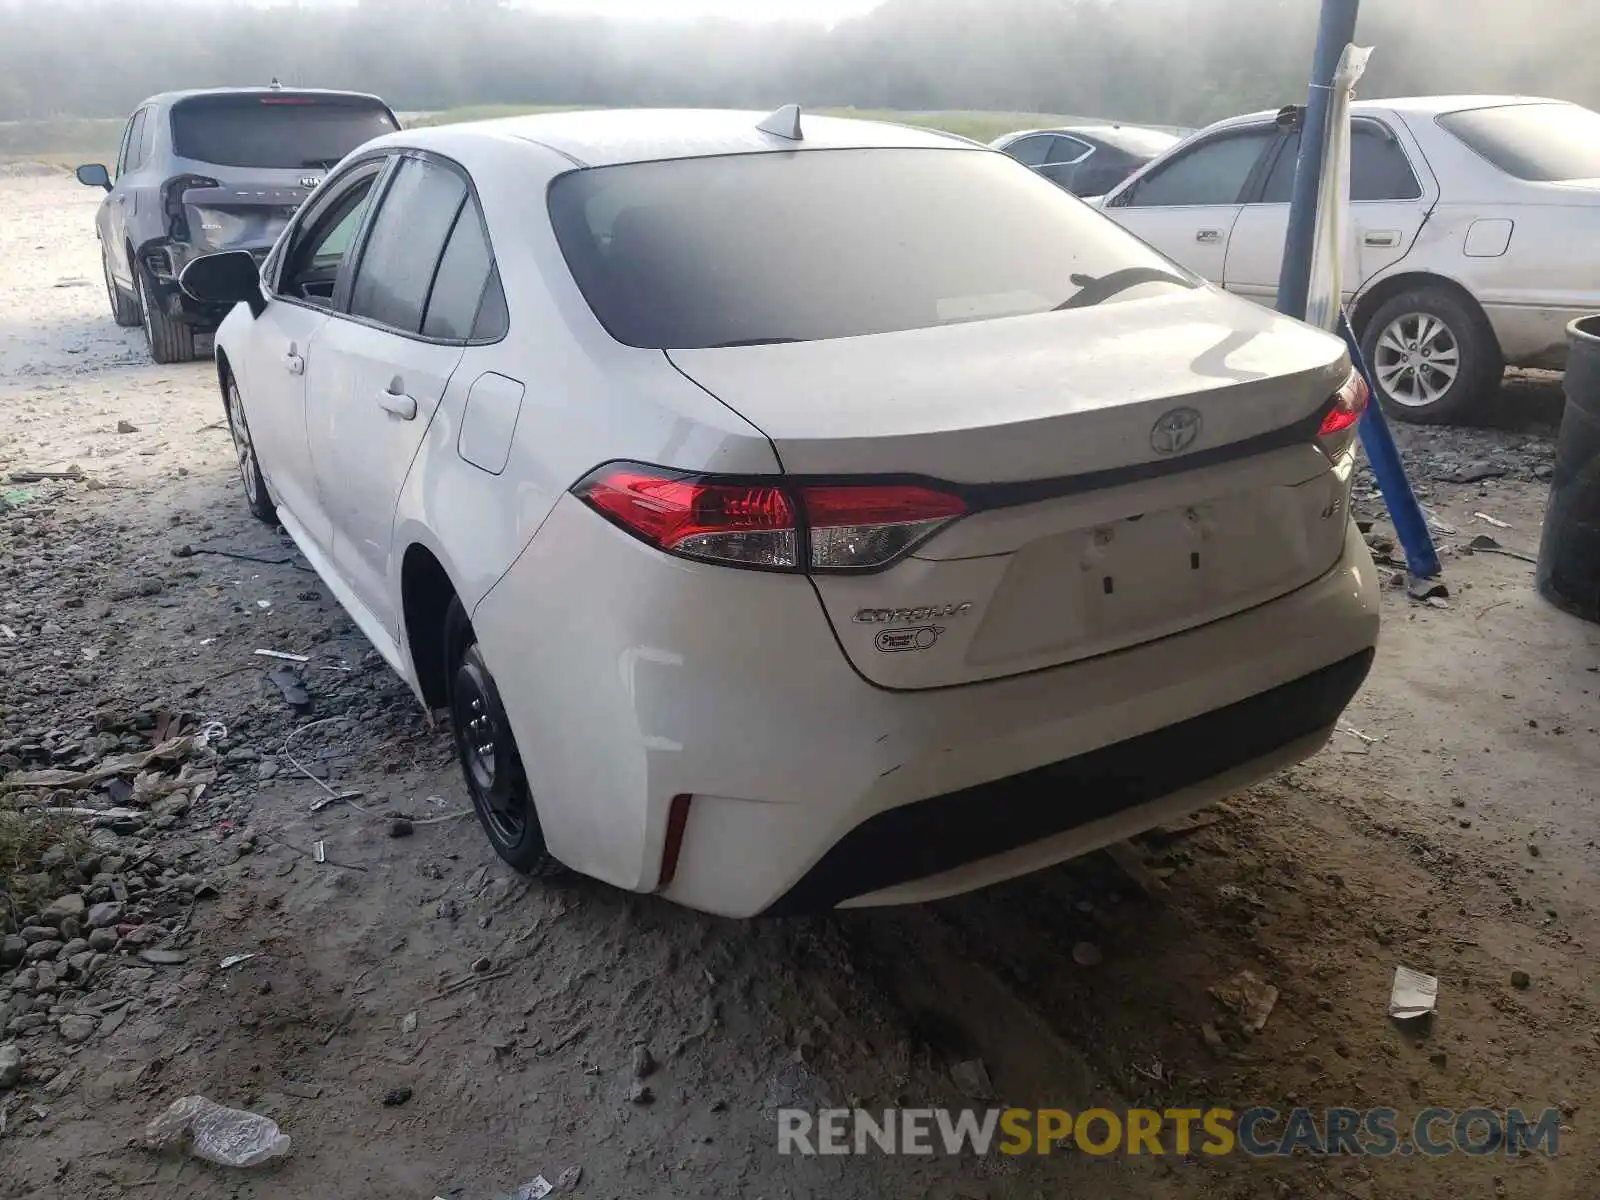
(398, 403)
(1209, 236)
(1384, 239)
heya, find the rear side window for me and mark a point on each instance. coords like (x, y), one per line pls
(463, 276)
(409, 231)
(1379, 169)
(1542, 143)
(1031, 151)
(749, 248)
(275, 132)
(1213, 172)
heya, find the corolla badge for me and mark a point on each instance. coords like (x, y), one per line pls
(1175, 431)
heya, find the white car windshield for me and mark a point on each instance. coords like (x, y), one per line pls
(750, 248)
(1542, 143)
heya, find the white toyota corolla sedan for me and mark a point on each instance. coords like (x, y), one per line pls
(795, 513)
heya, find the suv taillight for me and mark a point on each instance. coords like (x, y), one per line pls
(769, 524)
(172, 202)
(1338, 432)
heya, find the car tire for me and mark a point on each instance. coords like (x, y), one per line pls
(124, 305)
(487, 751)
(170, 340)
(244, 450)
(1432, 354)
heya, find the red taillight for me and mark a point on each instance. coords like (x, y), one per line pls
(749, 525)
(1348, 405)
(847, 527)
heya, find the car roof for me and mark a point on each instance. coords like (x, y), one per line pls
(1410, 106)
(606, 137)
(167, 99)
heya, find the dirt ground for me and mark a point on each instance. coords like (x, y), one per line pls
(423, 1023)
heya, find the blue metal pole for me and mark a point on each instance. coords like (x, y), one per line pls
(1336, 31)
(1410, 526)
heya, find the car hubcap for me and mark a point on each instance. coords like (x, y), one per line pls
(243, 448)
(1417, 360)
(481, 741)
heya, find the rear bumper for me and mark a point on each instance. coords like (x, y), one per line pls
(166, 260)
(1534, 336)
(813, 788)
(936, 843)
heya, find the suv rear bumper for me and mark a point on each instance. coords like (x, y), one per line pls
(165, 260)
(679, 679)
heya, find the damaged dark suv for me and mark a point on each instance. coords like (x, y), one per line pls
(205, 171)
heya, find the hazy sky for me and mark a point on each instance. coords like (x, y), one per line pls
(755, 10)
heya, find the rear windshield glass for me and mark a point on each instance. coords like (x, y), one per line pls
(1544, 143)
(1144, 143)
(753, 248)
(275, 132)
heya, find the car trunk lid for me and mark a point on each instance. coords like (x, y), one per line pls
(1132, 470)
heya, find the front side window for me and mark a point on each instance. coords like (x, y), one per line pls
(1213, 172)
(409, 230)
(318, 253)
(1542, 143)
(136, 140)
(122, 151)
(277, 131)
(750, 248)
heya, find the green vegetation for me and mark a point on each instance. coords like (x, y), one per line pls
(66, 141)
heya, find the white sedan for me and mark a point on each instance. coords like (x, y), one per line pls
(1475, 232)
(793, 514)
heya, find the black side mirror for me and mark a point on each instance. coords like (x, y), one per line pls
(94, 175)
(229, 278)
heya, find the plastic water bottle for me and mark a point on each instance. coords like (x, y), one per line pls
(228, 1137)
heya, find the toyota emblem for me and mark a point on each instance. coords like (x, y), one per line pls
(1175, 431)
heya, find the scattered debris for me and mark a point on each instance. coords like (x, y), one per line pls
(72, 472)
(301, 1091)
(569, 1179)
(640, 1093)
(1419, 588)
(1495, 521)
(1413, 994)
(408, 1023)
(126, 426)
(1087, 954)
(396, 1096)
(1346, 728)
(283, 656)
(294, 692)
(228, 1137)
(1213, 1039)
(400, 828)
(1484, 544)
(10, 1066)
(320, 852)
(1521, 980)
(972, 1078)
(536, 1188)
(644, 1063)
(1251, 999)
(164, 958)
(233, 960)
